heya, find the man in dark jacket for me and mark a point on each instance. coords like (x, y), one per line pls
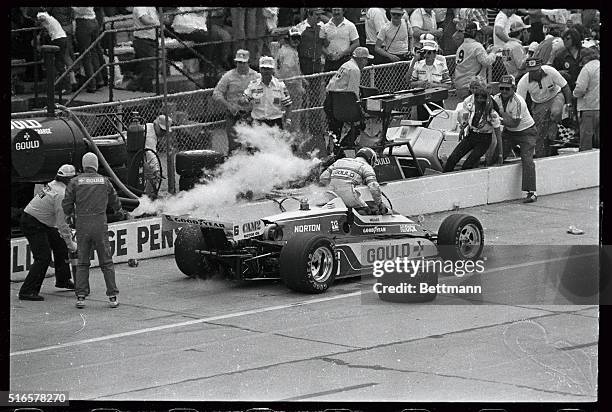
(87, 197)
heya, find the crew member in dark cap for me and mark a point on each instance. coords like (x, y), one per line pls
(44, 225)
(519, 129)
(86, 200)
(549, 91)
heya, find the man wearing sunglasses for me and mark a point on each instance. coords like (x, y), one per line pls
(519, 129)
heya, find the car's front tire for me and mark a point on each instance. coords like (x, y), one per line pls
(308, 264)
(460, 237)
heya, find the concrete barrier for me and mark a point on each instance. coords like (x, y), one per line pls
(143, 238)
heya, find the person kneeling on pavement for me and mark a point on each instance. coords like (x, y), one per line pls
(44, 225)
(346, 173)
(87, 197)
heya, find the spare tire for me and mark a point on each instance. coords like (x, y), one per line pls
(113, 150)
(191, 162)
(193, 264)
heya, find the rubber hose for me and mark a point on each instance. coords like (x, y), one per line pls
(127, 201)
(110, 171)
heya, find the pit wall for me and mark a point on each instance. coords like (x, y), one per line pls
(143, 238)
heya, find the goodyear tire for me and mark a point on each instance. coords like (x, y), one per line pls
(403, 280)
(113, 150)
(460, 237)
(192, 264)
(308, 264)
(191, 162)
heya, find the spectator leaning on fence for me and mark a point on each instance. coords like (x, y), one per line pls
(229, 92)
(376, 19)
(471, 60)
(269, 97)
(392, 40)
(513, 54)
(427, 72)
(145, 45)
(65, 16)
(587, 94)
(340, 39)
(310, 48)
(519, 129)
(58, 38)
(548, 91)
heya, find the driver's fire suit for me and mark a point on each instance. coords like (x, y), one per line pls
(346, 173)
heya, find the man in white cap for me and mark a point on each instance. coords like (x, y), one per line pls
(87, 197)
(44, 225)
(519, 129)
(348, 79)
(428, 71)
(229, 92)
(549, 91)
(513, 54)
(268, 96)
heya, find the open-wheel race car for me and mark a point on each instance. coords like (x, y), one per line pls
(311, 247)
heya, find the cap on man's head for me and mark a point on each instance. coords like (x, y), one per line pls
(533, 63)
(397, 10)
(267, 62)
(242, 56)
(90, 160)
(362, 52)
(66, 171)
(429, 45)
(533, 46)
(508, 79)
(518, 25)
(161, 121)
(294, 32)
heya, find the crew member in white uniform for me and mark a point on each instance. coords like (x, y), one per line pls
(346, 173)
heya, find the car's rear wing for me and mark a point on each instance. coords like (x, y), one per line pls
(233, 230)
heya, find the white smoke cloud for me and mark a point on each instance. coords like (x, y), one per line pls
(273, 165)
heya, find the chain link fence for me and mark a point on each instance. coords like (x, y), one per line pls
(199, 122)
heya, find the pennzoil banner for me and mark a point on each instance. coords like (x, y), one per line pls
(133, 239)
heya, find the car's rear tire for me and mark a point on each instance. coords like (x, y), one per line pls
(460, 237)
(188, 240)
(308, 264)
(396, 279)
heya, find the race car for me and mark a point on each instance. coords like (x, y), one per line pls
(309, 248)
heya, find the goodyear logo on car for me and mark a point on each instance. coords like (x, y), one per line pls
(171, 222)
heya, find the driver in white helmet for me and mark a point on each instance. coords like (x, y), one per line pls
(346, 173)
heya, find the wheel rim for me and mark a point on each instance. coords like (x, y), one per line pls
(469, 241)
(321, 264)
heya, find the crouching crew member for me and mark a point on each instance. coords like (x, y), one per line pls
(87, 197)
(346, 173)
(44, 225)
(519, 129)
(268, 96)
